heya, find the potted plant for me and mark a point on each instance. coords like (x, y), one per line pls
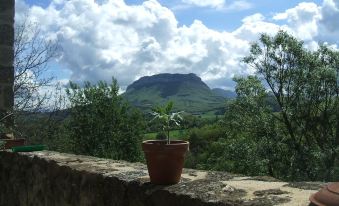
(165, 158)
(7, 139)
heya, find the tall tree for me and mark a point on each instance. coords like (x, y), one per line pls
(305, 85)
(250, 119)
(27, 84)
(102, 124)
(32, 53)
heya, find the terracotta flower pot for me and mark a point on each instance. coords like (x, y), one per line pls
(165, 161)
(327, 196)
(9, 143)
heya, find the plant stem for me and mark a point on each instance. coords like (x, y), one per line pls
(168, 130)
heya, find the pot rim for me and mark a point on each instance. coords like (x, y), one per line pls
(315, 201)
(172, 142)
(16, 139)
(327, 195)
(179, 146)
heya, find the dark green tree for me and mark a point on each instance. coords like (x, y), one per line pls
(305, 86)
(250, 127)
(102, 124)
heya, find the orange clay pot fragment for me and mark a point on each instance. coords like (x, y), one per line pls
(165, 161)
(327, 196)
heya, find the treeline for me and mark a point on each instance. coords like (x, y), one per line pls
(284, 122)
(301, 140)
(98, 123)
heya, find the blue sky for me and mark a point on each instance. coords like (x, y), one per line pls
(132, 38)
(231, 19)
(215, 19)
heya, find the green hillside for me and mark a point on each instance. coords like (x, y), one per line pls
(188, 91)
(224, 93)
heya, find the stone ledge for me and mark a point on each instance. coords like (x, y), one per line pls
(52, 178)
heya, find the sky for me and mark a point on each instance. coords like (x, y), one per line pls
(128, 39)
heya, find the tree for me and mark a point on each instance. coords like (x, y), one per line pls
(305, 86)
(46, 127)
(32, 53)
(249, 122)
(102, 124)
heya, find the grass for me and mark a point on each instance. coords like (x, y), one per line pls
(210, 115)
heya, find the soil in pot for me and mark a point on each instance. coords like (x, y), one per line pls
(165, 161)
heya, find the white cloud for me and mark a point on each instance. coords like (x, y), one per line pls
(313, 23)
(302, 19)
(101, 40)
(21, 10)
(329, 23)
(204, 3)
(115, 39)
(239, 5)
(218, 5)
(253, 18)
(254, 25)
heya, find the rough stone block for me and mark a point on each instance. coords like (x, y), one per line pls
(6, 34)
(6, 74)
(8, 97)
(1, 100)
(7, 17)
(6, 5)
(6, 56)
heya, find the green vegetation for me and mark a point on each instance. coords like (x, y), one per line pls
(174, 134)
(287, 129)
(2, 144)
(102, 124)
(166, 118)
(187, 91)
(300, 141)
(99, 123)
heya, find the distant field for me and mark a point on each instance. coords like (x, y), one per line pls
(174, 134)
(210, 115)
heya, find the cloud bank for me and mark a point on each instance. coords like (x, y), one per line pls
(204, 3)
(111, 38)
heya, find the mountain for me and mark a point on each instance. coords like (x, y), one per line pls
(188, 92)
(224, 93)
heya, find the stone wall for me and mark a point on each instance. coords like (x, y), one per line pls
(6, 55)
(55, 179)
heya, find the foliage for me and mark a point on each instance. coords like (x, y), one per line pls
(32, 83)
(102, 124)
(44, 128)
(32, 53)
(305, 85)
(161, 136)
(288, 130)
(283, 123)
(174, 134)
(2, 144)
(234, 143)
(251, 130)
(166, 117)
